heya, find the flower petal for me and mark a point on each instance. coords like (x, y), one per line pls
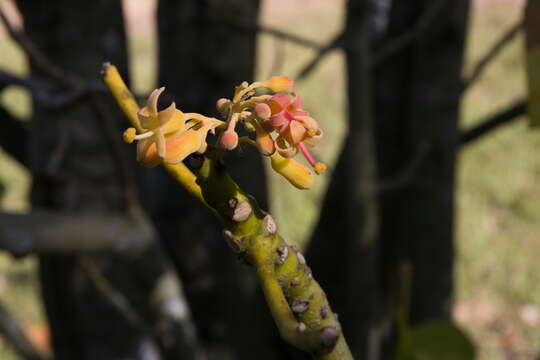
(285, 149)
(296, 132)
(147, 121)
(307, 121)
(160, 141)
(278, 102)
(175, 124)
(152, 101)
(295, 104)
(180, 147)
(278, 120)
(297, 174)
(279, 84)
(167, 114)
(143, 147)
(313, 140)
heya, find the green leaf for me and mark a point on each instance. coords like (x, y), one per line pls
(532, 41)
(437, 340)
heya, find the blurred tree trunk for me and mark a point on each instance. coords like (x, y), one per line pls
(417, 99)
(203, 55)
(343, 251)
(416, 96)
(74, 172)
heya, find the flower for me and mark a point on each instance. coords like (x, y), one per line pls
(295, 127)
(168, 136)
(297, 174)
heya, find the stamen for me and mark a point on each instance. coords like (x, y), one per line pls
(143, 135)
(307, 155)
(289, 116)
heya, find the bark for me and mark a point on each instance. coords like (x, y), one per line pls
(75, 172)
(417, 107)
(415, 92)
(348, 224)
(203, 55)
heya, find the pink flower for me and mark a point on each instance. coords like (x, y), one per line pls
(294, 126)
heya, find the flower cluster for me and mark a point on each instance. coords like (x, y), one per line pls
(280, 126)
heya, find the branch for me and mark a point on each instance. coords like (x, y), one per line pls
(12, 332)
(297, 302)
(255, 27)
(396, 45)
(79, 87)
(113, 296)
(493, 121)
(13, 137)
(49, 96)
(338, 42)
(36, 57)
(495, 49)
(48, 232)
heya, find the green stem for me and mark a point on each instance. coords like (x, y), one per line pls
(298, 304)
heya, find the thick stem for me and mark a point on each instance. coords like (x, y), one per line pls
(297, 302)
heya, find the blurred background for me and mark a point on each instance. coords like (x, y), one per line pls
(486, 277)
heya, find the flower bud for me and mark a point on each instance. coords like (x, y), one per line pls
(263, 111)
(223, 105)
(297, 174)
(229, 139)
(280, 84)
(265, 143)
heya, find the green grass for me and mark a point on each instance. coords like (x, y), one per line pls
(498, 194)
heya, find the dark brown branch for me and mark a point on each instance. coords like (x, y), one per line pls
(79, 87)
(113, 296)
(492, 122)
(13, 136)
(14, 334)
(50, 96)
(493, 51)
(36, 57)
(49, 232)
(255, 27)
(337, 43)
(396, 45)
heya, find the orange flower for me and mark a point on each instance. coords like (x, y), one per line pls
(169, 135)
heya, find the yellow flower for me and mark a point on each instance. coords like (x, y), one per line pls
(169, 136)
(297, 174)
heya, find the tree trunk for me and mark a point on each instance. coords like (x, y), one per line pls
(416, 97)
(74, 172)
(203, 56)
(347, 227)
(417, 110)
